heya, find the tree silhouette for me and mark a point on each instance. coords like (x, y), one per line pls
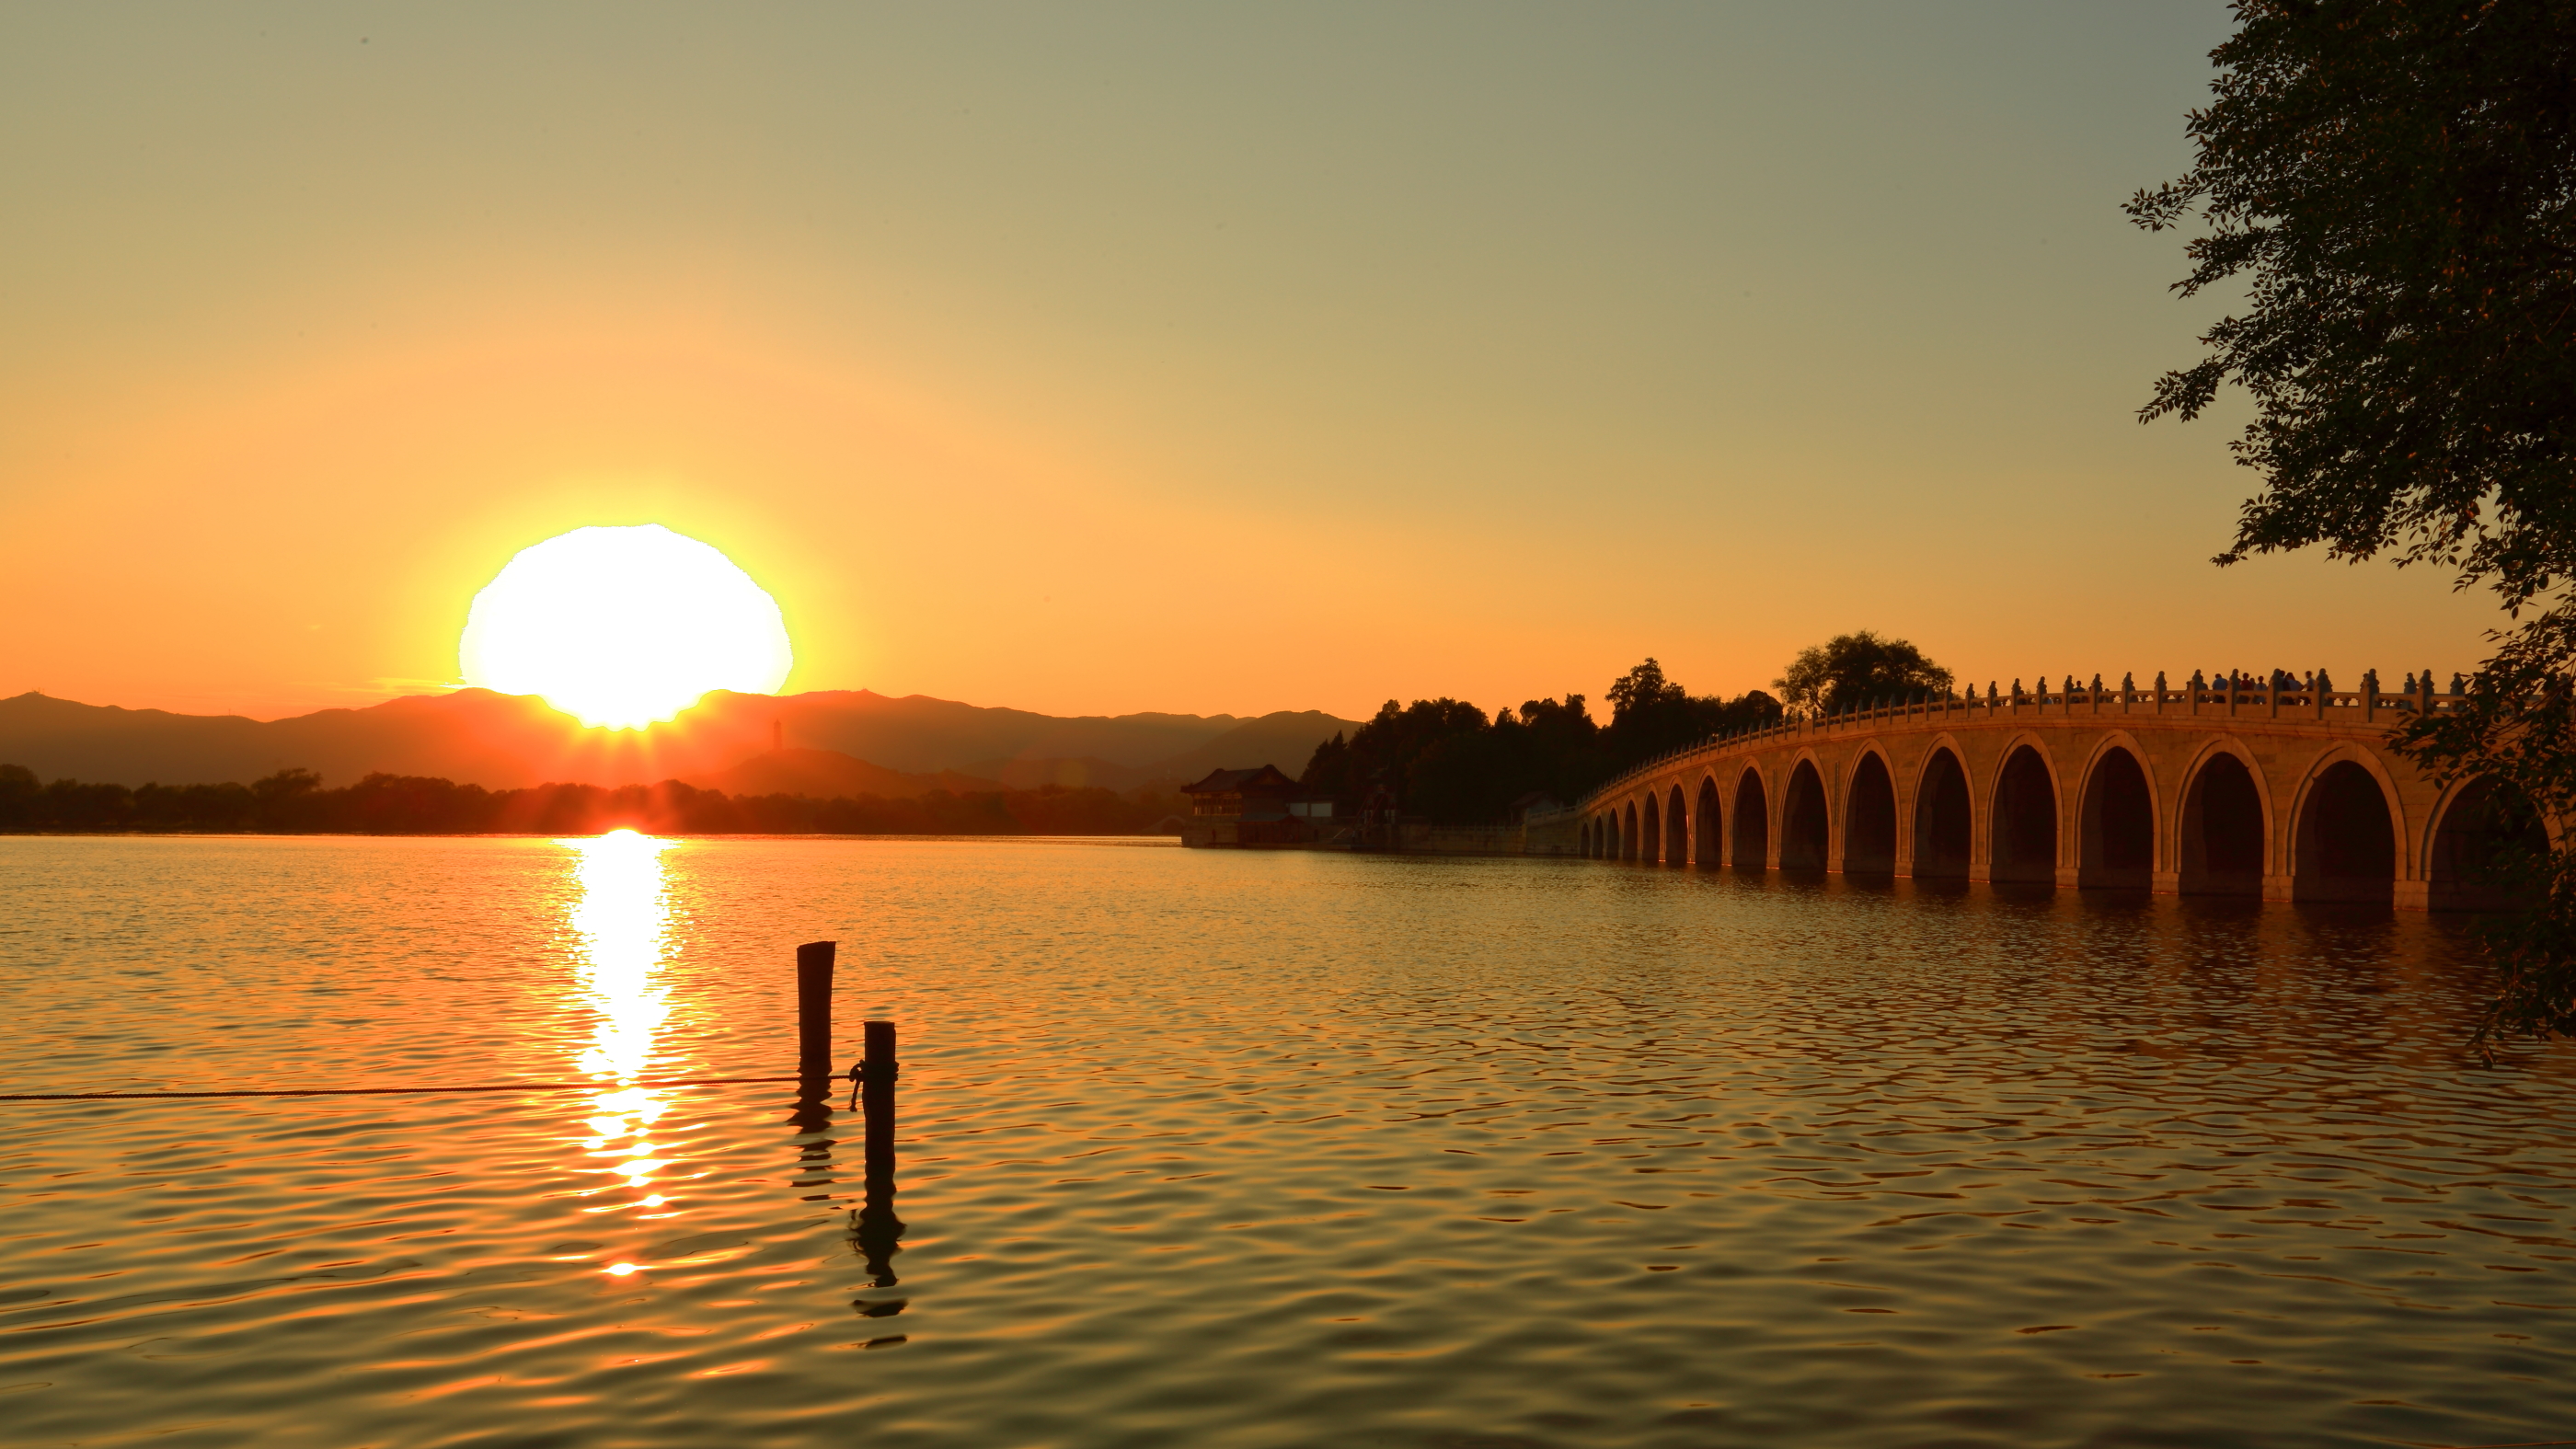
(2393, 185)
(1850, 670)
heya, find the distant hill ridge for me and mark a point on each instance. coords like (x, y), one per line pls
(502, 741)
(829, 774)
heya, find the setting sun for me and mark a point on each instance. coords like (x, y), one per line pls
(624, 626)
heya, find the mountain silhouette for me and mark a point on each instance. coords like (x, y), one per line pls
(829, 774)
(502, 741)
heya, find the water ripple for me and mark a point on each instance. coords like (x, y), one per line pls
(1239, 1149)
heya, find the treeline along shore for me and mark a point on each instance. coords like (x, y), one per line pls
(1443, 762)
(295, 802)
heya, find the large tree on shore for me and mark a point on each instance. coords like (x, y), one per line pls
(1650, 714)
(2394, 186)
(1850, 670)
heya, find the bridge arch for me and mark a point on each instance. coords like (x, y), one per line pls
(1944, 813)
(2223, 845)
(2064, 790)
(2475, 822)
(1708, 827)
(1751, 842)
(2025, 814)
(2347, 840)
(2116, 821)
(1806, 817)
(1869, 814)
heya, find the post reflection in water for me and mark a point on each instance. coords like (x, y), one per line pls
(621, 923)
(874, 1229)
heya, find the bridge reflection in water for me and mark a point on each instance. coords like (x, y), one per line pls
(2282, 790)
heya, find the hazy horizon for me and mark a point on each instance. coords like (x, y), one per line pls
(448, 691)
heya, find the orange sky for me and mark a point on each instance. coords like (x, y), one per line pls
(1108, 359)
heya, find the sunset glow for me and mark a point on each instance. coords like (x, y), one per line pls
(624, 626)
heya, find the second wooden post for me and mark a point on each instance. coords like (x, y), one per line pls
(814, 1008)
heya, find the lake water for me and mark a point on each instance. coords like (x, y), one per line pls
(1244, 1149)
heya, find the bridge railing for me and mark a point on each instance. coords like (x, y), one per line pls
(2277, 698)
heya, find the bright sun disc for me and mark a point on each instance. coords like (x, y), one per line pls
(624, 626)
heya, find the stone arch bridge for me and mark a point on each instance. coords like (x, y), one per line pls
(2283, 793)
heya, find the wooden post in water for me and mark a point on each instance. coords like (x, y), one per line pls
(876, 1102)
(875, 1231)
(814, 1008)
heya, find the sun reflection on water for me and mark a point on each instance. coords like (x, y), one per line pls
(622, 927)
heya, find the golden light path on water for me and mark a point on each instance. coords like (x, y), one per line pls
(621, 924)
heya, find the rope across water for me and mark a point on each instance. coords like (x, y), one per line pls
(388, 1091)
